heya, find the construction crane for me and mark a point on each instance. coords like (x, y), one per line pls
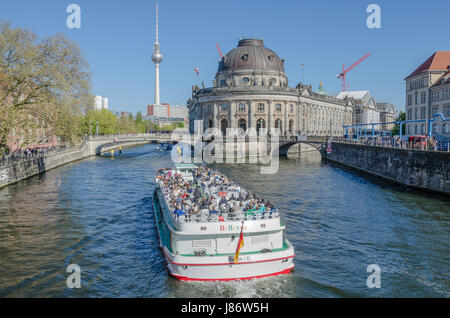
(345, 71)
(220, 52)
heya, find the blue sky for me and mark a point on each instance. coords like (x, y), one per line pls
(117, 38)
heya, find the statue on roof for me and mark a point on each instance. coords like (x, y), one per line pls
(321, 90)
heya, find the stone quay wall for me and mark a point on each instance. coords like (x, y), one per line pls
(425, 170)
(13, 171)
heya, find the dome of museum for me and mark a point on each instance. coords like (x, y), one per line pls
(251, 56)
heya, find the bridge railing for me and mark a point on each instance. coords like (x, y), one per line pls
(109, 137)
(427, 144)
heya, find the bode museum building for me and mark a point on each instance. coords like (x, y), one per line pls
(251, 89)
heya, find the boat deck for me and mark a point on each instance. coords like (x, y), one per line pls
(201, 194)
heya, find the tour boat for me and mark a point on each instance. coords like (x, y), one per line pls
(208, 246)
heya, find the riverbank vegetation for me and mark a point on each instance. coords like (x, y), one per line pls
(45, 94)
(44, 87)
(396, 129)
(104, 122)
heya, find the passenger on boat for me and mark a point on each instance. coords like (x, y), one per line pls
(178, 211)
(207, 192)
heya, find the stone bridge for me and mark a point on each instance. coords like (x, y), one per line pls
(285, 145)
(102, 144)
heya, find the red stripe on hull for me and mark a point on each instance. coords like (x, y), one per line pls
(221, 264)
(187, 279)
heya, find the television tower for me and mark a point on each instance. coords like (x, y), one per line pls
(157, 58)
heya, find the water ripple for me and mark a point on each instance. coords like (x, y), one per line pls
(98, 214)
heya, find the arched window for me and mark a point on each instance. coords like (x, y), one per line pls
(224, 126)
(260, 123)
(243, 124)
(278, 125)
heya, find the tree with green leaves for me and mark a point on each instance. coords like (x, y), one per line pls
(396, 129)
(44, 84)
(107, 122)
(140, 124)
(180, 124)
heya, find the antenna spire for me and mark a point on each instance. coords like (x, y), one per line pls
(157, 59)
(157, 24)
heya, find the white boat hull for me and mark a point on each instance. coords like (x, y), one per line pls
(222, 268)
(202, 250)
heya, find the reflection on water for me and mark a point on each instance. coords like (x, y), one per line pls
(98, 214)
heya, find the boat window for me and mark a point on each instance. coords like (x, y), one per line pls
(201, 243)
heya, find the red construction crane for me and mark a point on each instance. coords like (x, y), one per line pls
(345, 71)
(220, 52)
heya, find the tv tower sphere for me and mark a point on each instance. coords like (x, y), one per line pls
(157, 57)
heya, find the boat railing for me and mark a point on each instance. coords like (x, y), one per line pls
(207, 217)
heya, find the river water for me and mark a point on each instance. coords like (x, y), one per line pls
(98, 213)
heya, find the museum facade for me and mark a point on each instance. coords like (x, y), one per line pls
(251, 89)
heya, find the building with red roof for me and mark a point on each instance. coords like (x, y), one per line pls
(428, 93)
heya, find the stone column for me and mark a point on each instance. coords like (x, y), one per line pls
(286, 124)
(299, 117)
(270, 123)
(215, 115)
(232, 114)
(251, 118)
(230, 103)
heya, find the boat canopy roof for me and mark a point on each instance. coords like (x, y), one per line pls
(185, 166)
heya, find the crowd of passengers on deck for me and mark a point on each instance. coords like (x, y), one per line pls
(209, 191)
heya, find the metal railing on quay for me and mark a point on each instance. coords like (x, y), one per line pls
(386, 142)
(30, 154)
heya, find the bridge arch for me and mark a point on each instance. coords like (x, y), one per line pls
(102, 144)
(283, 147)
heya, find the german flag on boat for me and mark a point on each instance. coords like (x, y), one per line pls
(240, 244)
